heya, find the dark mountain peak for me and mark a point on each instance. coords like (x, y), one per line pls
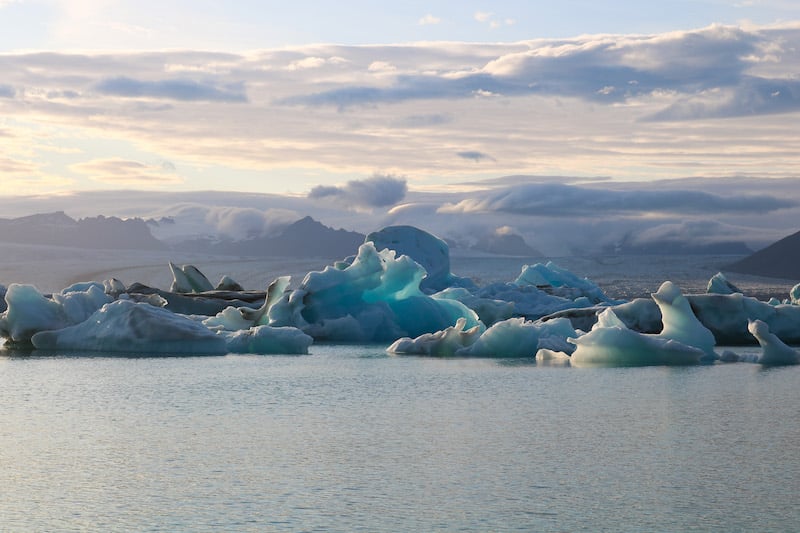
(44, 219)
(94, 232)
(778, 260)
(305, 237)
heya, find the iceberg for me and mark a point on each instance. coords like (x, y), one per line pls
(773, 351)
(266, 340)
(28, 311)
(429, 251)
(445, 343)
(560, 282)
(794, 295)
(239, 318)
(126, 326)
(514, 337)
(719, 284)
(680, 322)
(375, 298)
(517, 337)
(725, 315)
(611, 343)
(489, 310)
(188, 279)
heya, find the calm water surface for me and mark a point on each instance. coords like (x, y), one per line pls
(348, 439)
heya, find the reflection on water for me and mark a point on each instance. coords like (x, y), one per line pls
(349, 439)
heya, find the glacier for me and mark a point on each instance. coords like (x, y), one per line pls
(398, 289)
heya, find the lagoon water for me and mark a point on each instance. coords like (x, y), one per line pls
(350, 439)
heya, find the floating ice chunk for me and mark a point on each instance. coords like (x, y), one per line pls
(126, 326)
(719, 284)
(489, 310)
(187, 279)
(563, 282)
(79, 301)
(114, 287)
(725, 315)
(530, 302)
(794, 295)
(240, 318)
(29, 312)
(374, 298)
(611, 343)
(514, 337)
(729, 356)
(517, 337)
(441, 343)
(680, 322)
(266, 340)
(431, 252)
(226, 283)
(773, 350)
(546, 355)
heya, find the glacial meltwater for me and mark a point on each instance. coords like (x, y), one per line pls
(351, 439)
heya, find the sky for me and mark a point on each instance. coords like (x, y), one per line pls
(422, 106)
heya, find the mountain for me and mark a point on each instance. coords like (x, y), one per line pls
(305, 238)
(778, 260)
(95, 232)
(508, 244)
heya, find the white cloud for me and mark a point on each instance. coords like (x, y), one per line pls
(246, 121)
(306, 62)
(377, 191)
(381, 67)
(483, 16)
(116, 171)
(428, 20)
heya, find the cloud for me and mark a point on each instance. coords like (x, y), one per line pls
(482, 16)
(692, 231)
(377, 191)
(708, 69)
(751, 96)
(7, 91)
(611, 105)
(195, 220)
(423, 121)
(474, 156)
(117, 171)
(16, 166)
(429, 20)
(173, 89)
(566, 200)
(243, 223)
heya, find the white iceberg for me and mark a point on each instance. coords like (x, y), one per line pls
(240, 318)
(29, 311)
(560, 282)
(719, 284)
(126, 326)
(188, 279)
(680, 322)
(611, 343)
(266, 340)
(431, 252)
(444, 343)
(514, 338)
(773, 350)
